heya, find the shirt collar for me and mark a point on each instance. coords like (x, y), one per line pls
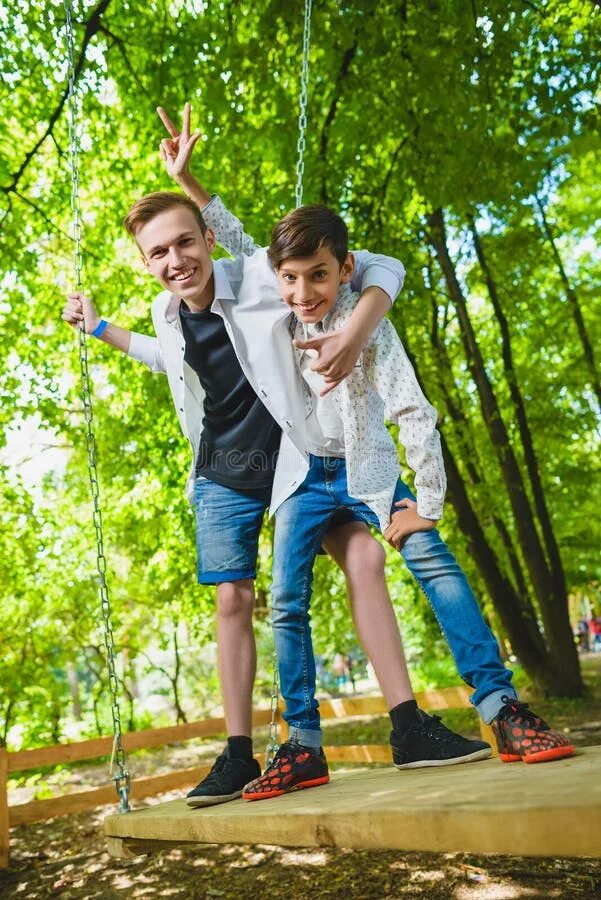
(344, 291)
(223, 291)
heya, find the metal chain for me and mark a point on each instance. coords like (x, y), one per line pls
(272, 742)
(122, 778)
(302, 117)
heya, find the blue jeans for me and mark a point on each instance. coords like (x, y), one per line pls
(227, 532)
(301, 522)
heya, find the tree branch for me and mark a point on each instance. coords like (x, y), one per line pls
(123, 50)
(331, 115)
(92, 27)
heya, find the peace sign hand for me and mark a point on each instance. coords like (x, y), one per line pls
(177, 150)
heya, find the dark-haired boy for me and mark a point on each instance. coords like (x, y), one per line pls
(354, 468)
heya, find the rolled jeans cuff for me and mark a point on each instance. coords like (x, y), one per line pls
(489, 708)
(308, 737)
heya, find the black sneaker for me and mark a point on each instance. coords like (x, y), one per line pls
(430, 743)
(294, 767)
(224, 782)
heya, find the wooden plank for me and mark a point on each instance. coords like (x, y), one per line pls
(457, 697)
(359, 753)
(22, 760)
(551, 809)
(344, 707)
(80, 801)
(4, 839)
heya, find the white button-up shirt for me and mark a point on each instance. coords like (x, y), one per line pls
(257, 322)
(383, 386)
(325, 431)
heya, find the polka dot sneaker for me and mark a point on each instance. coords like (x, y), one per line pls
(294, 767)
(522, 735)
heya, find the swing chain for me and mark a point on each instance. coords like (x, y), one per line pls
(302, 118)
(272, 742)
(122, 778)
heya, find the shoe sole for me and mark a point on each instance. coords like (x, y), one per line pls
(265, 795)
(485, 753)
(196, 802)
(541, 756)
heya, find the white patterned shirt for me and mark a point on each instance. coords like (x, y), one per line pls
(382, 387)
(325, 431)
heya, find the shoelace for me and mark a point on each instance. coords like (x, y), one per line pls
(286, 749)
(434, 727)
(218, 766)
(516, 707)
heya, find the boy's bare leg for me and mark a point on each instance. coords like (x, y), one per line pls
(237, 660)
(237, 653)
(362, 558)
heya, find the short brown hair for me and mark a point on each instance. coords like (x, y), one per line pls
(146, 208)
(306, 230)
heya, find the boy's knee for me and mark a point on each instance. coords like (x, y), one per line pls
(372, 556)
(235, 599)
(365, 556)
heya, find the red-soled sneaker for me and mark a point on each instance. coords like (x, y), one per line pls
(294, 767)
(522, 735)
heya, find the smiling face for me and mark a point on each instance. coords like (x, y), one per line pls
(309, 284)
(176, 252)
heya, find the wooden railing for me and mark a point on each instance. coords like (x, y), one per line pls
(80, 801)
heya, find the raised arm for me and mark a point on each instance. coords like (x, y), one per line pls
(176, 153)
(80, 311)
(377, 270)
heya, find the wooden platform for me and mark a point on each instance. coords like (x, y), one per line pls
(548, 809)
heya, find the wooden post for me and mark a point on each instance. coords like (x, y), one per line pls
(3, 808)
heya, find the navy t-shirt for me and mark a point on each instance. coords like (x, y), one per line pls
(240, 440)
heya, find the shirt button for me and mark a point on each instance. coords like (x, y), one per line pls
(181, 377)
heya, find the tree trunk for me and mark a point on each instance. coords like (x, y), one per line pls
(572, 297)
(469, 454)
(516, 617)
(74, 689)
(181, 715)
(540, 502)
(552, 601)
(324, 139)
(515, 611)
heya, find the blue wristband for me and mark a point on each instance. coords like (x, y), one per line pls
(99, 330)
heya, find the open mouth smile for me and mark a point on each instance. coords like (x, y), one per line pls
(307, 309)
(181, 277)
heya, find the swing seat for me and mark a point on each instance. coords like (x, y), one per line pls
(549, 809)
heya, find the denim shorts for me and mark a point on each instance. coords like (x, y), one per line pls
(227, 532)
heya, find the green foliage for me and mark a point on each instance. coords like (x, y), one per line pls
(481, 109)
